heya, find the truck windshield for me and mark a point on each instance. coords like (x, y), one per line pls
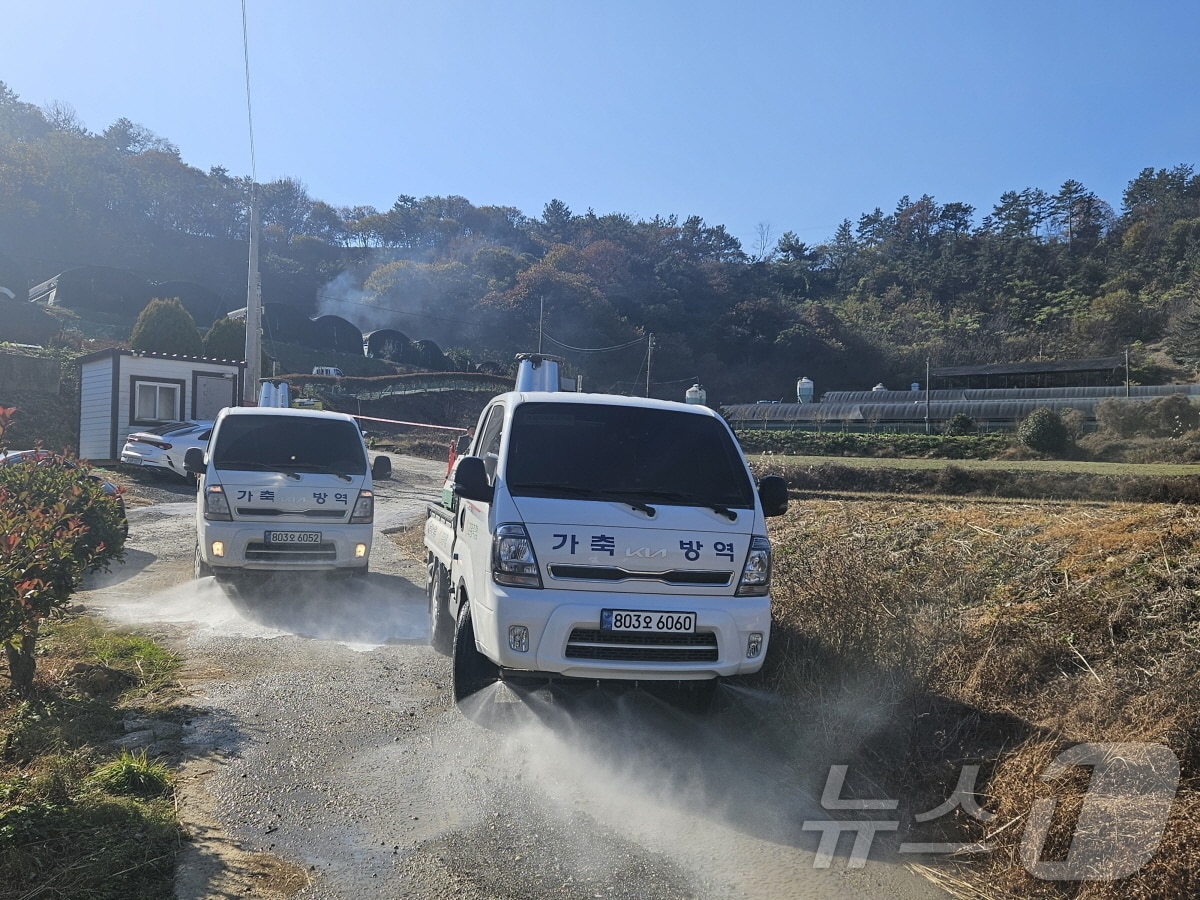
(289, 444)
(606, 451)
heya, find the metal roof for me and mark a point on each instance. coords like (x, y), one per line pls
(1096, 364)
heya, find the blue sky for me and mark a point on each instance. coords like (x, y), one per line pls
(788, 115)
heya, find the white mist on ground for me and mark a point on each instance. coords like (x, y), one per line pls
(361, 616)
(723, 797)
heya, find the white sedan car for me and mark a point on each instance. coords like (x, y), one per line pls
(162, 449)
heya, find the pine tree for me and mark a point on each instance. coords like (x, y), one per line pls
(226, 339)
(164, 326)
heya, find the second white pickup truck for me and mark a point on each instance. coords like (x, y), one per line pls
(594, 536)
(283, 490)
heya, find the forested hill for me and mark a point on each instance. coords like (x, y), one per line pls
(1054, 272)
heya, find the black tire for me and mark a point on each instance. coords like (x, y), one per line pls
(472, 671)
(441, 626)
(201, 568)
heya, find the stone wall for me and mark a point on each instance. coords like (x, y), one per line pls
(28, 374)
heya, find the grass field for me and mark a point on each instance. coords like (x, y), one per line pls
(917, 635)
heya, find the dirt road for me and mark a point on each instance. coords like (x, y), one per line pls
(321, 756)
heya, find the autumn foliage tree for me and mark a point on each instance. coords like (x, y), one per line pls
(56, 523)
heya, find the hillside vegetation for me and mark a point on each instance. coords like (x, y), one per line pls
(1048, 272)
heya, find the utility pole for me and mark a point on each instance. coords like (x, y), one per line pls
(253, 311)
(649, 362)
(927, 395)
(541, 317)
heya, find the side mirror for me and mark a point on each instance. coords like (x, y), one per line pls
(193, 461)
(772, 493)
(471, 481)
(381, 469)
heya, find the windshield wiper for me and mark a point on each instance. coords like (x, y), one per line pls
(688, 500)
(634, 501)
(322, 470)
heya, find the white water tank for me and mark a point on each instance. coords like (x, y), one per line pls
(696, 394)
(275, 394)
(879, 387)
(805, 390)
(536, 372)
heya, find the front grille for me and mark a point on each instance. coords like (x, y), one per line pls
(641, 646)
(268, 512)
(261, 552)
(614, 573)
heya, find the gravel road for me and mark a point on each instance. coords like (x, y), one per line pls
(321, 757)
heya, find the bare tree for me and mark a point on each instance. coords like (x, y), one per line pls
(764, 251)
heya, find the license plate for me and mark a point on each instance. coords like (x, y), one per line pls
(293, 537)
(647, 620)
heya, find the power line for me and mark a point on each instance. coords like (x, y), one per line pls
(592, 349)
(249, 111)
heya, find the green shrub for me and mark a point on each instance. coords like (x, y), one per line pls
(164, 326)
(226, 339)
(959, 424)
(57, 523)
(1043, 430)
(839, 443)
(1123, 418)
(1171, 416)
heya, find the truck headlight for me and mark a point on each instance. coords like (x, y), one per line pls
(513, 561)
(216, 504)
(756, 572)
(364, 509)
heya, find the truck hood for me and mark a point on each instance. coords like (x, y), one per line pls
(692, 548)
(275, 497)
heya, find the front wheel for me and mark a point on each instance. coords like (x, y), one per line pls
(441, 626)
(201, 569)
(472, 671)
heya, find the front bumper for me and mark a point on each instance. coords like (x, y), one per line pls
(564, 635)
(244, 547)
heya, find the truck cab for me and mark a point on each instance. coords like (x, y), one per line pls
(594, 536)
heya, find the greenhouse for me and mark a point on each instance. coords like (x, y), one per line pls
(1000, 409)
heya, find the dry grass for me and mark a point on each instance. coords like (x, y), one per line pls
(999, 633)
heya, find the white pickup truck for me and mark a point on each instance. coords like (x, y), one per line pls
(283, 490)
(592, 536)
